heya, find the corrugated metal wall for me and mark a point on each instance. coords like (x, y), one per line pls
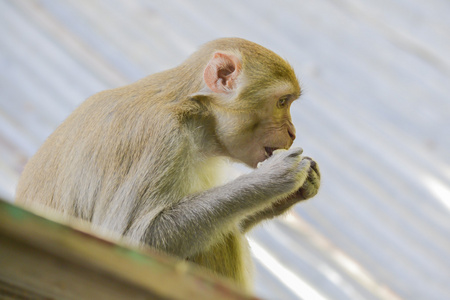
(375, 115)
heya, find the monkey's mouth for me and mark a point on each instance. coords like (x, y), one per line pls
(268, 151)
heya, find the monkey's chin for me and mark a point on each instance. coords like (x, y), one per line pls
(268, 151)
(255, 161)
(256, 157)
(261, 156)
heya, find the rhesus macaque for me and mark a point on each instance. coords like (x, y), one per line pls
(144, 160)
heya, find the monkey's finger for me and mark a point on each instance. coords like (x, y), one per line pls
(310, 187)
(304, 166)
(314, 182)
(307, 191)
(296, 151)
(314, 165)
(314, 178)
(315, 173)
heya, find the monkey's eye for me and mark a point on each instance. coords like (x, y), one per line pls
(282, 102)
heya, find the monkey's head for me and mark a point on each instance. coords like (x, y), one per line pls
(251, 90)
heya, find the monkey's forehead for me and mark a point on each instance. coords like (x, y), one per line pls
(272, 84)
(272, 71)
(281, 88)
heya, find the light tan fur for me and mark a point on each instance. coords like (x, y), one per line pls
(144, 161)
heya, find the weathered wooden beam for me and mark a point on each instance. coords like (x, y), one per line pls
(44, 259)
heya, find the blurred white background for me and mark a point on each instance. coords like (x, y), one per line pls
(375, 115)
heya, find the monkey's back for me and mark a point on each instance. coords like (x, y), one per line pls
(105, 156)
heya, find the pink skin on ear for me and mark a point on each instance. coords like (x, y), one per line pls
(221, 72)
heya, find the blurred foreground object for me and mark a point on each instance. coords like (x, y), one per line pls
(42, 259)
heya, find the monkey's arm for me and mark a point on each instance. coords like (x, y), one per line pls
(193, 224)
(308, 190)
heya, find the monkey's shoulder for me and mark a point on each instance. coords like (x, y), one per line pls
(191, 108)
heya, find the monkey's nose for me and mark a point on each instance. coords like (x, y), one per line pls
(291, 134)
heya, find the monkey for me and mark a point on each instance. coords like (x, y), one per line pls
(148, 160)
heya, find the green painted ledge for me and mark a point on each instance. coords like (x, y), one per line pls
(44, 259)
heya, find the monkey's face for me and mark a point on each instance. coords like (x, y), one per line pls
(252, 137)
(253, 103)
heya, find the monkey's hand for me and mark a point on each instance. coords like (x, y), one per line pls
(307, 190)
(312, 183)
(284, 172)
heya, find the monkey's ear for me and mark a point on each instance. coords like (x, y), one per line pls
(222, 72)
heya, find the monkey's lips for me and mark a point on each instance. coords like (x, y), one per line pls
(268, 151)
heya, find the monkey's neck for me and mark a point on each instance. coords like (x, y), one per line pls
(209, 173)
